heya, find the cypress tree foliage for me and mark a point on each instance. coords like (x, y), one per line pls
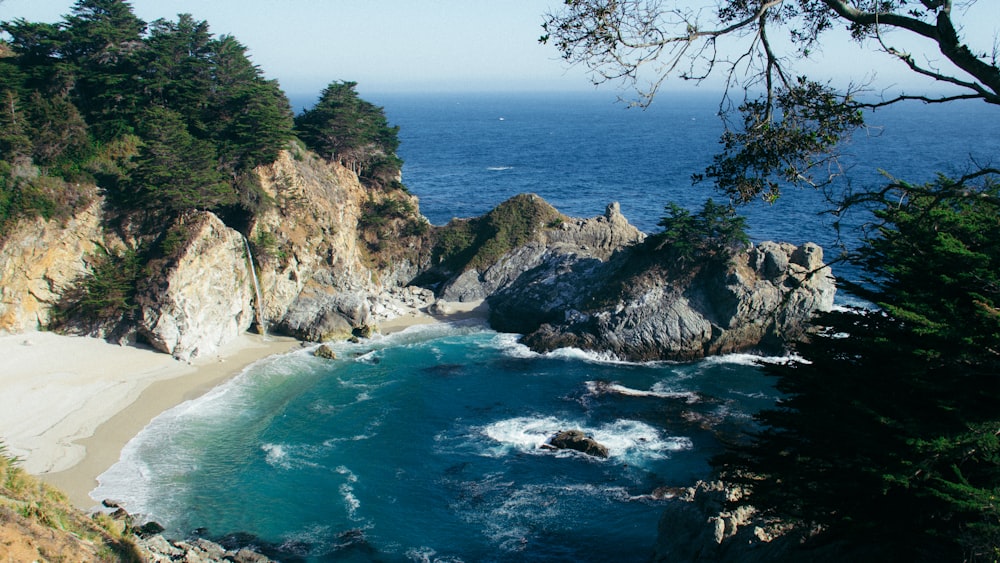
(346, 129)
(176, 171)
(889, 434)
(714, 233)
(104, 42)
(79, 92)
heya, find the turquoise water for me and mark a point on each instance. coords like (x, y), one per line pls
(424, 446)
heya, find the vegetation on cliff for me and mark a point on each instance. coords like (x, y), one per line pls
(167, 120)
(479, 242)
(164, 117)
(888, 436)
(37, 522)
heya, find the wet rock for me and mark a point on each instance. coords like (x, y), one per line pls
(578, 441)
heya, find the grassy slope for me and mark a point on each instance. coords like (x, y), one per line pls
(37, 523)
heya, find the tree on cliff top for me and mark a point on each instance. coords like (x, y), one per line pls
(787, 134)
(346, 129)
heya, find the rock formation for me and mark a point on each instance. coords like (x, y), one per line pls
(640, 309)
(593, 284)
(200, 298)
(336, 259)
(39, 261)
(578, 441)
(318, 276)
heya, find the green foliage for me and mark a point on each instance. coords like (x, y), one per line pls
(26, 194)
(889, 434)
(936, 265)
(108, 293)
(170, 120)
(764, 153)
(343, 128)
(478, 243)
(267, 247)
(174, 170)
(376, 213)
(714, 233)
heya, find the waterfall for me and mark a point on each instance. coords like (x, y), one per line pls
(261, 324)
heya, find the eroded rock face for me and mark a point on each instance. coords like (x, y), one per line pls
(762, 298)
(201, 298)
(595, 239)
(318, 280)
(39, 261)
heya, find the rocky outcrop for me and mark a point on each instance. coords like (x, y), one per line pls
(698, 525)
(578, 441)
(595, 239)
(201, 297)
(157, 549)
(638, 308)
(320, 280)
(336, 259)
(39, 261)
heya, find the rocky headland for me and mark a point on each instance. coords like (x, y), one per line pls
(334, 259)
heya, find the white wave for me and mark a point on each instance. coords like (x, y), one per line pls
(631, 440)
(424, 554)
(658, 391)
(510, 346)
(589, 356)
(351, 502)
(499, 168)
(747, 359)
(289, 456)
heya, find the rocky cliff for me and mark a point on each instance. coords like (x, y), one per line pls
(334, 258)
(638, 308)
(39, 261)
(321, 272)
(594, 284)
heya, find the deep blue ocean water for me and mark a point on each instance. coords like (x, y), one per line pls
(424, 445)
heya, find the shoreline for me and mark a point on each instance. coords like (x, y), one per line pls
(70, 404)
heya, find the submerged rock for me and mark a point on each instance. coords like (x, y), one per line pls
(578, 441)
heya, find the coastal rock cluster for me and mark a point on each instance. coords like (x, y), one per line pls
(761, 298)
(328, 268)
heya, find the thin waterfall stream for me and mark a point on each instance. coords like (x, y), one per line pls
(261, 324)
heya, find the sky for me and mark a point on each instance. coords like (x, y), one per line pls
(443, 45)
(384, 45)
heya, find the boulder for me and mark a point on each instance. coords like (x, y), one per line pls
(201, 297)
(325, 352)
(578, 441)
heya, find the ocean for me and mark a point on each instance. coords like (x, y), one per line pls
(424, 445)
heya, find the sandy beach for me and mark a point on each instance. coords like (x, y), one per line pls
(68, 405)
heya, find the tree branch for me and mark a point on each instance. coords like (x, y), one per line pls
(943, 33)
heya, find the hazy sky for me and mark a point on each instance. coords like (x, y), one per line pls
(433, 45)
(383, 45)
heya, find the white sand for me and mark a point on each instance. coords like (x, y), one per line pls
(58, 394)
